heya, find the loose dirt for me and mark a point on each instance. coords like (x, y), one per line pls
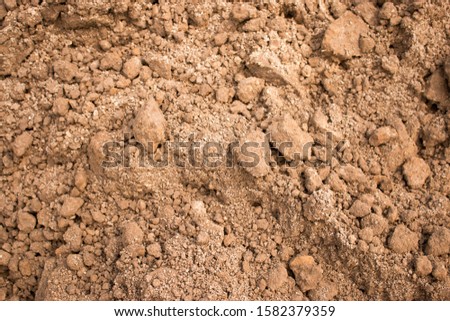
(364, 214)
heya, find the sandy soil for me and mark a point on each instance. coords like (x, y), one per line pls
(357, 208)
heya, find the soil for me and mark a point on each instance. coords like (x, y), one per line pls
(363, 214)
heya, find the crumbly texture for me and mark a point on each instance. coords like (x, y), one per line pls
(363, 216)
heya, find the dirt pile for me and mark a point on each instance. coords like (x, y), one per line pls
(355, 208)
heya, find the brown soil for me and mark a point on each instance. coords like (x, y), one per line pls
(365, 217)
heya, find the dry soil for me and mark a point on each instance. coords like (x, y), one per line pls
(363, 216)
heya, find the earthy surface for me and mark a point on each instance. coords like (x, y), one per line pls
(363, 216)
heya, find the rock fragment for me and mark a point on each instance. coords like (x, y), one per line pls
(199, 15)
(351, 174)
(254, 25)
(159, 65)
(98, 217)
(271, 97)
(388, 11)
(10, 4)
(405, 148)
(105, 45)
(319, 121)
(325, 291)
(369, 12)
(71, 206)
(81, 179)
(215, 231)
(439, 242)
(243, 12)
(366, 234)
(312, 180)
(89, 259)
(290, 139)
(134, 250)
(154, 250)
(132, 67)
(26, 222)
(266, 65)
(96, 151)
(25, 267)
(437, 88)
(74, 238)
(277, 277)
(440, 271)
(390, 64)
(435, 132)
(111, 60)
(18, 92)
(262, 224)
(253, 154)
(376, 222)
(423, 266)
(337, 8)
(22, 143)
(229, 240)
(132, 234)
(149, 125)
(220, 39)
(30, 17)
(4, 258)
(336, 184)
(403, 240)
(35, 205)
(366, 44)
(360, 209)
(307, 272)
(74, 262)
(224, 94)
(202, 238)
(416, 171)
(65, 70)
(341, 39)
(249, 88)
(320, 205)
(238, 107)
(382, 136)
(61, 106)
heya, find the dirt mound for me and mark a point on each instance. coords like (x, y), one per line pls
(212, 150)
